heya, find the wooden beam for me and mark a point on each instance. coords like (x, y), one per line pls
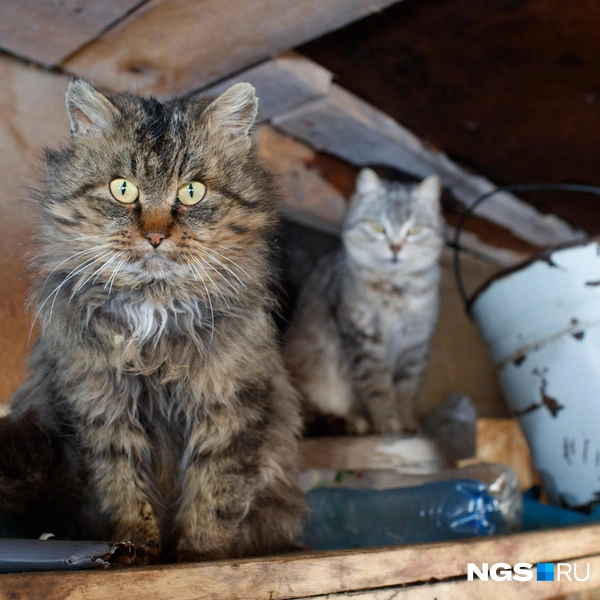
(172, 47)
(49, 31)
(308, 198)
(411, 453)
(300, 100)
(312, 574)
(312, 199)
(281, 84)
(347, 127)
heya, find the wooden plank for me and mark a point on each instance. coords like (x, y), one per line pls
(281, 84)
(172, 47)
(49, 31)
(413, 454)
(300, 575)
(32, 114)
(346, 126)
(502, 441)
(312, 195)
(490, 590)
(308, 197)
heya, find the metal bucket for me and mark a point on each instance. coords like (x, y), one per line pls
(541, 321)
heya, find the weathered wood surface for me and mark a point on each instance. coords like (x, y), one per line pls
(350, 128)
(502, 441)
(488, 590)
(172, 47)
(300, 99)
(47, 32)
(308, 197)
(312, 574)
(32, 114)
(283, 83)
(414, 454)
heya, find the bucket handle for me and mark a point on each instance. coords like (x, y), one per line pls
(518, 187)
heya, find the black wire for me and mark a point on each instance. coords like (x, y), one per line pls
(519, 187)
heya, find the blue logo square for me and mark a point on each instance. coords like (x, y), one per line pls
(545, 571)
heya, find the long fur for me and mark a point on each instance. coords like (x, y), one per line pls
(358, 344)
(159, 367)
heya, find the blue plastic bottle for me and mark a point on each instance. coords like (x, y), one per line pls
(354, 518)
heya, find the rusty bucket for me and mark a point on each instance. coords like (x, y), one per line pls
(541, 321)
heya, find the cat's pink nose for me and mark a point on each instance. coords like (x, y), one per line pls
(155, 238)
(395, 249)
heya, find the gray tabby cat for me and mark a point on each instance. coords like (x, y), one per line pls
(157, 366)
(359, 341)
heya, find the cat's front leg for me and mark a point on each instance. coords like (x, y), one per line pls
(369, 369)
(219, 472)
(407, 385)
(116, 457)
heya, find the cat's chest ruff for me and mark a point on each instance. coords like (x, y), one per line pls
(146, 321)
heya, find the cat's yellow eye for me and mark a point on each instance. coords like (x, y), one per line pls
(191, 193)
(415, 229)
(377, 226)
(123, 190)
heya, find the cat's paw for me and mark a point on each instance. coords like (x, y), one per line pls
(388, 425)
(145, 535)
(146, 555)
(357, 425)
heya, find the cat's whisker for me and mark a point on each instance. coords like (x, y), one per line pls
(215, 286)
(231, 261)
(199, 278)
(115, 272)
(83, 252)
(97, 272)
(72, 273)
(228, 281)
(227, 269)
(212, 312)
(195, 271)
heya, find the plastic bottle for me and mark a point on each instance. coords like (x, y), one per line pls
(376, 508)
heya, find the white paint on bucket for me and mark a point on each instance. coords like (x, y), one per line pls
(541, 321)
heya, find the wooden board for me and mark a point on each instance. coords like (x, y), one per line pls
(297, 97)
(49, 31)
(488, 590)
(501, 440)
(350, 128)
(172, 47)
(281, 84)
(311, 574)
(411, 454)
(308, 197)
(32, 114)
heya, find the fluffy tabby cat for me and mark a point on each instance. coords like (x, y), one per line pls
(359, 340)
(157, 365)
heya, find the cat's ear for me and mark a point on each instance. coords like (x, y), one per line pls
(233, 113)
(367, 182)
(429, 191)
(89, 111)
